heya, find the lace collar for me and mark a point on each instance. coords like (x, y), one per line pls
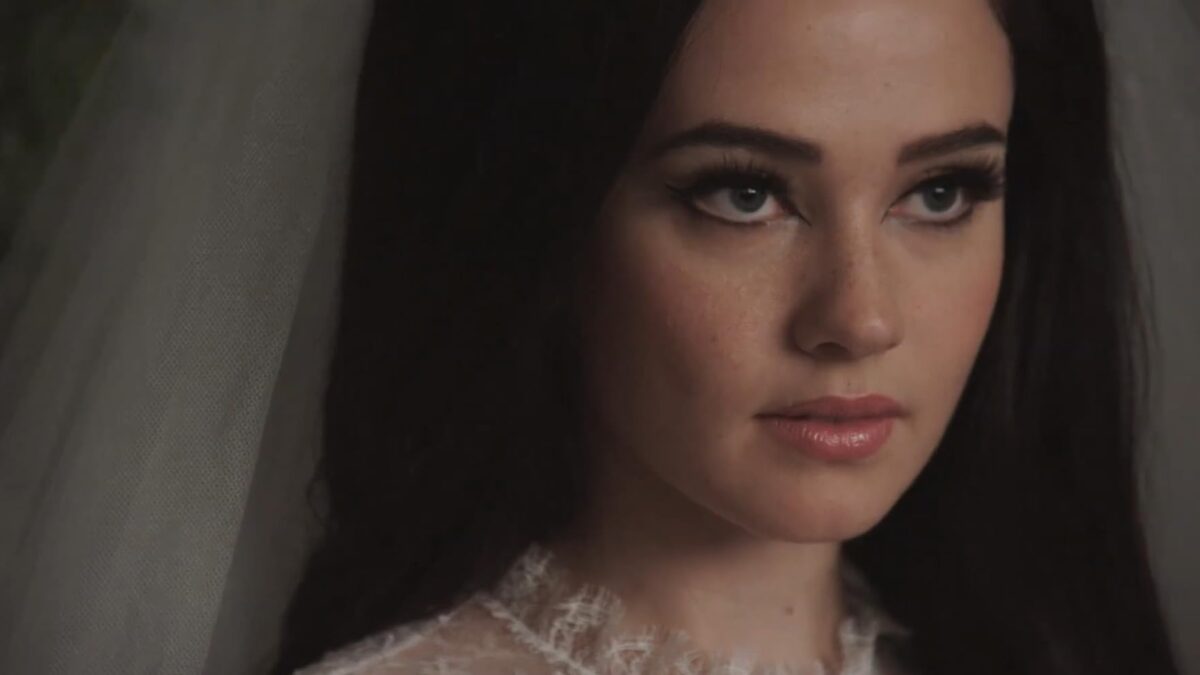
(574, 627)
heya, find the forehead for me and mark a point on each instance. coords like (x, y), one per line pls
(840, 70)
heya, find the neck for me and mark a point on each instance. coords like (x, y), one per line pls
(676, 564)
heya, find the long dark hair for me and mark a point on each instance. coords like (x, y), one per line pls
(487, 135)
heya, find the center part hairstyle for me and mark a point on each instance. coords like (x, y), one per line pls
(487, 136)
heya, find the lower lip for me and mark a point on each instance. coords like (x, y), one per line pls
(833, 441)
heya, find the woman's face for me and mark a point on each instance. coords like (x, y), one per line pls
(813, 210)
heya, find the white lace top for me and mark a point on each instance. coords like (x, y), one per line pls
(537, 621)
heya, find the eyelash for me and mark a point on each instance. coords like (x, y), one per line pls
(980, 182)
(735, 174)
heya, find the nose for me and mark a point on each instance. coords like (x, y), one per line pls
(850, 309)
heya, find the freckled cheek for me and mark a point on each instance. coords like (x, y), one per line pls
(950, 325)
(673, 336)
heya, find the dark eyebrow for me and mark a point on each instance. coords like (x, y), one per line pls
(943, 144)
(725, 134)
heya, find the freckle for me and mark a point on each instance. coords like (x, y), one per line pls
(789, 610)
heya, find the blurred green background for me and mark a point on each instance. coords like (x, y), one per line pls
(49, 50)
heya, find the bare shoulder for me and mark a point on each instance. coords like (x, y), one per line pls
(465, 640)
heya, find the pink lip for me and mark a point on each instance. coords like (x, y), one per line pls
(836, 429)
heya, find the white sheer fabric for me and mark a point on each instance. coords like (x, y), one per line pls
(149, 301)
(540, 620)
(165, 308)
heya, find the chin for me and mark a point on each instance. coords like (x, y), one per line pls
(840, 528)
(825, 521)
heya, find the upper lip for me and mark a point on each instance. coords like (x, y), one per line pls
(838, 407)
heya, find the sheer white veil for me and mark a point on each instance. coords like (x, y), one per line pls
(165, 307)
(165, 315)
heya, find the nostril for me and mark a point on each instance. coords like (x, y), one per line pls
(831, 351)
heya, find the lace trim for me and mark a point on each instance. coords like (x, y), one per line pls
(376, 649)
(574, 626)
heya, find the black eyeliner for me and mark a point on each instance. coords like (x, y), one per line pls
(980, 181)
(731, 173)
